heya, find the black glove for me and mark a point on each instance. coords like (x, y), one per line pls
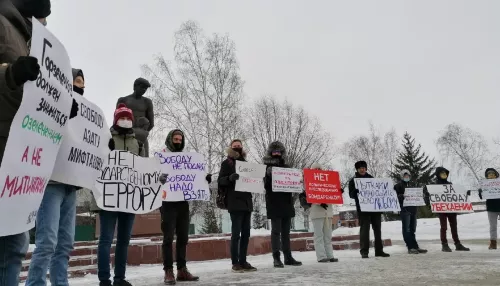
(234, 177)
(74, 109)
(325, 206)
(468, 192)
(25, 69)
(163, 178)
(480, 192)
(269, 171)
(209, 178)
(111, 144)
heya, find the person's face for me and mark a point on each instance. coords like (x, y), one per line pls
(177, 139)
(236, 145)
(406, 177)
(491, 175)
(443, 175)
(79, 82)
(362, 171)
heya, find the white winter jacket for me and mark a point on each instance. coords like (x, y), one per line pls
(317, 211)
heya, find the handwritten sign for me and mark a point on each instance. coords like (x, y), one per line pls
(414, 197)
(85, 147)
(251, 177)
(186, 177)
(128, 183)
(36, 133)
(449, 199)
(287, 180)
(491, 189)
(377, 195)
(323, 187)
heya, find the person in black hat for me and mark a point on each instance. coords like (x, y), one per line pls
(367, 218)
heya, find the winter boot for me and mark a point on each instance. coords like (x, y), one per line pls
(421, 250)
(382, 254)
(413, 251)
(184, 275)
(237, 268)
(122, 283)
(445, 248)
(334, 260)
(169, 278)
(493, 244)
(364, 255)
(105, 283)
(247, 267)
(324, 260)
(277, 260)
(460, 247)
(289, 260)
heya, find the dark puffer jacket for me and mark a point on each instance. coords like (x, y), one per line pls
(236, 201)
(492, 205)
(353, 192)
(400, 191)
(437, 181)
(278, 204)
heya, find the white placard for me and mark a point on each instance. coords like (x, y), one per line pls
(287, 180)
(414, 197)
(490, 189)
(84, 148)
(36, 133)
(449, 199)
(377, 195)
(128, 183)
(251, 177)
(186, 176)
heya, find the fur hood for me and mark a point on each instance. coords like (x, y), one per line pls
(489, 170)
(275, 146)
(403, 172)
(235, 155)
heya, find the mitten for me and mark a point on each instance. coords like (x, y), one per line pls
(163, 178)
(209, 178)
(74, 109)
(25, 69)
(111, 144)
(234, 177)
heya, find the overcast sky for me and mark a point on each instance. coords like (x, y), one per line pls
(412, 65)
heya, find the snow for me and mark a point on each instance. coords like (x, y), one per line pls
(470, 226)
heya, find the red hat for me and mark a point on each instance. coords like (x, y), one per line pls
(123, 111)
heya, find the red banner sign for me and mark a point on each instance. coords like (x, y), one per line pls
(323, 187)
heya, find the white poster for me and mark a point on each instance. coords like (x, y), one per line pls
(490, 189)
(377, 195)
(449, 199)
(186, 176)
(128, 183)
(414, 197)
(287, 180)
(251, 177)
(84, 148)
(36, 133)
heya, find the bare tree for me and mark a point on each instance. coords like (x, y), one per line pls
(465, 148)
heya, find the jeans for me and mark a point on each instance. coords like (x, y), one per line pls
(108, 221)
(323, 238)
(280, 232)
(409, 223)
(240, 236)
(493, 219)
(365, 220)
(13, 249)
(55, 233)
(452, 218)
(174, 219)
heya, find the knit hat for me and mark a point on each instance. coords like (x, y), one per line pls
(77, 73)
(36, 8)
(123, 111)
(360, 164)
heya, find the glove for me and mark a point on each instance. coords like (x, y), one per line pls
(25, 69)
(480, 192)
(163, 178)
(111, 144)
(468, 192)
(325, 206)
(209, 178)
(269, 171)
(74, 109)
(234, 177)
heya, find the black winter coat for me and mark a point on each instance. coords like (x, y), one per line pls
(492, 205)
(353, 192)
(400, 190)
(278, 204)
(236, 201)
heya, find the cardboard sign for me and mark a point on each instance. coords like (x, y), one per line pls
(251, 177)
(37, 131)
(377, 195)
(287, 180)
(414, 197)
(128, 183)
(490, 189)
(323, 187)
(186, 176)
(449, 199)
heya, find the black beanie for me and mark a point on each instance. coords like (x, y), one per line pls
(76, 73)
(33, 8)
(360, 164)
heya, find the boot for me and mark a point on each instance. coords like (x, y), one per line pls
(237, 268)
(364, 255)
(421, 250)
(289, 260)
(324, 260)
(277, 260)
(445, 248)
(382, 254)
(169, 278)
(247, 267)
(460, 247)
(334, 260)
(413, 251)
(122, 283)
(184, 275)
(493, 244)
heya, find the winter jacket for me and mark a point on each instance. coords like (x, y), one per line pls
(353, 192)
(438, 181)
(278, 204)
(317, 211)
(14, 36)
(236, 201)
(400, 191)
(492, 205)
(181, 205)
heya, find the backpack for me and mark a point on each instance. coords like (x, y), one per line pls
(303, 201)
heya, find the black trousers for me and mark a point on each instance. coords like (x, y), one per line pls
(365, 220)
(240, 236)
(174, 219)
(280, 232)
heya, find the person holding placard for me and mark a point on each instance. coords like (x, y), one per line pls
(493, 209)
(16, 68)
(366, 218)
(280, 207)
(239, 206)
(408, 214)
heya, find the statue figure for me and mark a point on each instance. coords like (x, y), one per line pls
(142, 107)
